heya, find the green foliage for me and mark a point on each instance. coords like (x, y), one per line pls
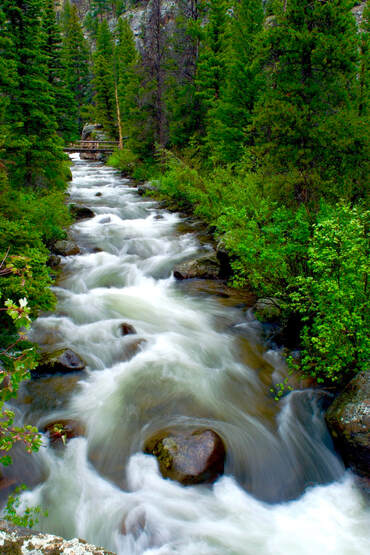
(231, 116)
(76, 60)
(103, 69)
(30, 515)
(32, 150)
(332, 297)
(309, 138)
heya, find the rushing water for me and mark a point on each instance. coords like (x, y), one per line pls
(284, 490)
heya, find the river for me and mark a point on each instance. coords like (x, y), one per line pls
(200, 363)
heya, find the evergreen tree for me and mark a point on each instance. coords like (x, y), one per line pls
(66, 110)
(183, 104)
(33, 151)
(104, 84)
(125, 59)
(211, 66)
(364, 80)
(75, 57)
(306, 121)
(154, 59)
(229, 128)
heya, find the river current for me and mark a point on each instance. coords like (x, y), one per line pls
(284, 491)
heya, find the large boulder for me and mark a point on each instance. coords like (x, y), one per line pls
(66, 248)
(59, 362)
(204, 267)
(348, 419)
(80, 212)
(188, 456)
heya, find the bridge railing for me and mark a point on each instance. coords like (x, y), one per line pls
(92, 144)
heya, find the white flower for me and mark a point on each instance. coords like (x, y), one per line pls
(23, 302)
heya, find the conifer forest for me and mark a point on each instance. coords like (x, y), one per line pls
(184, 267)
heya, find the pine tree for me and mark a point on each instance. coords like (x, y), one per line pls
(183, 105)
(104, 85)
(229, 127)
(33, 151)
(66, 110)
(75, 58)
(154, 59)
(211, 66)
(364, 78)
(125, 59)
(306, 121)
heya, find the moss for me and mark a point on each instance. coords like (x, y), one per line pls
(12, 547)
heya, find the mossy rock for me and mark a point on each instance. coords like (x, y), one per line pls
(348, 419)
(59, 362)
(205, 267)
(188, 456)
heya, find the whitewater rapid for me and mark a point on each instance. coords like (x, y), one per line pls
(285, 490)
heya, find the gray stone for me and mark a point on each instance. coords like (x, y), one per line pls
(204, 267)
(66, 248)
(268, 309)
(15, 540)
(348, 419)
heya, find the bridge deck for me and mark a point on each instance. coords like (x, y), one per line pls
(91, 146)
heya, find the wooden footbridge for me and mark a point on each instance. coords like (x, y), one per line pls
(92, 146)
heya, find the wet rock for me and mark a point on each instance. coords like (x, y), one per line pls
(80, 212)
(105, 220)
(268, 309)
(348, 419)
(99, 194)
(61, 431)
(53, 261)
(205, 267)
(189, 457)
(132, 348)
(224, 260)
(63, 361)
(127, 329)
(15, 540)
(48, 393)
(145, 188)
(66, 248)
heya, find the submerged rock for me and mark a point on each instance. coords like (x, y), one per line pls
(61, 431)
(63, 361)
(80, 212)
(189, 457)
(205, 267)
(66, 248)
(127, 329)
(348, 419)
